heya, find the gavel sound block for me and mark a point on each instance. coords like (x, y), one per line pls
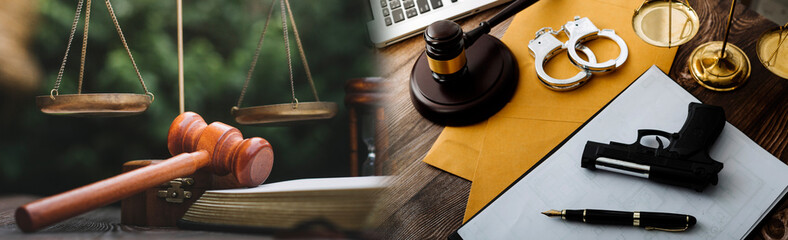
(217, 147)
(164, 205)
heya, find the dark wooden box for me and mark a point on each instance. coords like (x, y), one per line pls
(162, 206)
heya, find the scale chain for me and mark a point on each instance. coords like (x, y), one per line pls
(301, 51)
(670, 23)
(126, 46)
(780, 39)
(287, 48)
(54, 90)
(68, 48)
(256, 54)
(285, 10)
(84, 47)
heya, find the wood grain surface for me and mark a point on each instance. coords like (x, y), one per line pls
(426, 203)
(429, 203)
(100, 223)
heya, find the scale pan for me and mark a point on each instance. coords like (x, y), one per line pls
(774, 59)
(665, 23)
(94, 104)
(282, 114)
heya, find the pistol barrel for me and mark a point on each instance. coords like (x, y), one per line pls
(622, 159)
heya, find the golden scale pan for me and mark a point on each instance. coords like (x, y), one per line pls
(665, 23)
(94, 104)
(772, 50)
(285, 113)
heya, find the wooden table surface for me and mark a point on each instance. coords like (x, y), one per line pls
(100, 223)
(429, 203)
(105, 223)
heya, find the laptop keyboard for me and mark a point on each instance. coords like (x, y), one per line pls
(395, 11)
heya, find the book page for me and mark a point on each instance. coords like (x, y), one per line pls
(314, 184)
(750, 183)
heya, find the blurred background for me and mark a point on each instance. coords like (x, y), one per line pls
(42, 154)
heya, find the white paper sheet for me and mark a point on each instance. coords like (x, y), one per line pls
(316, 184)
(750, 183)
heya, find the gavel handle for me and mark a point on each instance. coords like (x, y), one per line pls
(515, 7)
(484, 27)
(48, 211)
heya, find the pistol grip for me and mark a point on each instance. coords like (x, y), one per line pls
(703, 125)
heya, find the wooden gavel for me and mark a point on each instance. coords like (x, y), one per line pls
(217, 146)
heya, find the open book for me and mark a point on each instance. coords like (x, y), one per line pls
(345, 203)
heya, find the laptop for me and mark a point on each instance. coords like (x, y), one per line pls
(397, 20)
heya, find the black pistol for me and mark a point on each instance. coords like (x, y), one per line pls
(684, 162)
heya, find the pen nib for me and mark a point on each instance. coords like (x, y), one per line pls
(552, 213)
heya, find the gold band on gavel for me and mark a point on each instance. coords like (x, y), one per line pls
(447, 66)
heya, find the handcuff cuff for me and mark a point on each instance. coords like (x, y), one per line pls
(545, 46)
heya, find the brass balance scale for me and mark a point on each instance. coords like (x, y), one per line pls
(719, 66)
(124, 104)
(284, 113)
(94, 104)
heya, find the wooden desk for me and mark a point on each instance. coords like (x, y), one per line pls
(429, 203)
(100, 223)
(105, 223)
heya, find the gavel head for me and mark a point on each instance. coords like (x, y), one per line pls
(446, 51)
(249, 160)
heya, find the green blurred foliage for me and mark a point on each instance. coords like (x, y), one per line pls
(43, 154)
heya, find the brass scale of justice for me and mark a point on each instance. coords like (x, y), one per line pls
(125, 104)
(719, 66)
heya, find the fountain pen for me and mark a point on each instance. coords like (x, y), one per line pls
(649, 220)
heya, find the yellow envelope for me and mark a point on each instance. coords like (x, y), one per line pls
(459, 150)
(538, 119)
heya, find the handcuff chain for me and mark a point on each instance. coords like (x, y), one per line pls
(545, 30)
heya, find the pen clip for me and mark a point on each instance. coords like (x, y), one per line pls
(669, 229)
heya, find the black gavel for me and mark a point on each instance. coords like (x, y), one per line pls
(446, 43)
(464, 78)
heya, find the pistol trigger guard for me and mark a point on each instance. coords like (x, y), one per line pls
(651, 132)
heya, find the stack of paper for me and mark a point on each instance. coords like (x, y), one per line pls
(751, 182)
(344, 202)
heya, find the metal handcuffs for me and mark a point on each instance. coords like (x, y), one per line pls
(581, 30)
(543, 48)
